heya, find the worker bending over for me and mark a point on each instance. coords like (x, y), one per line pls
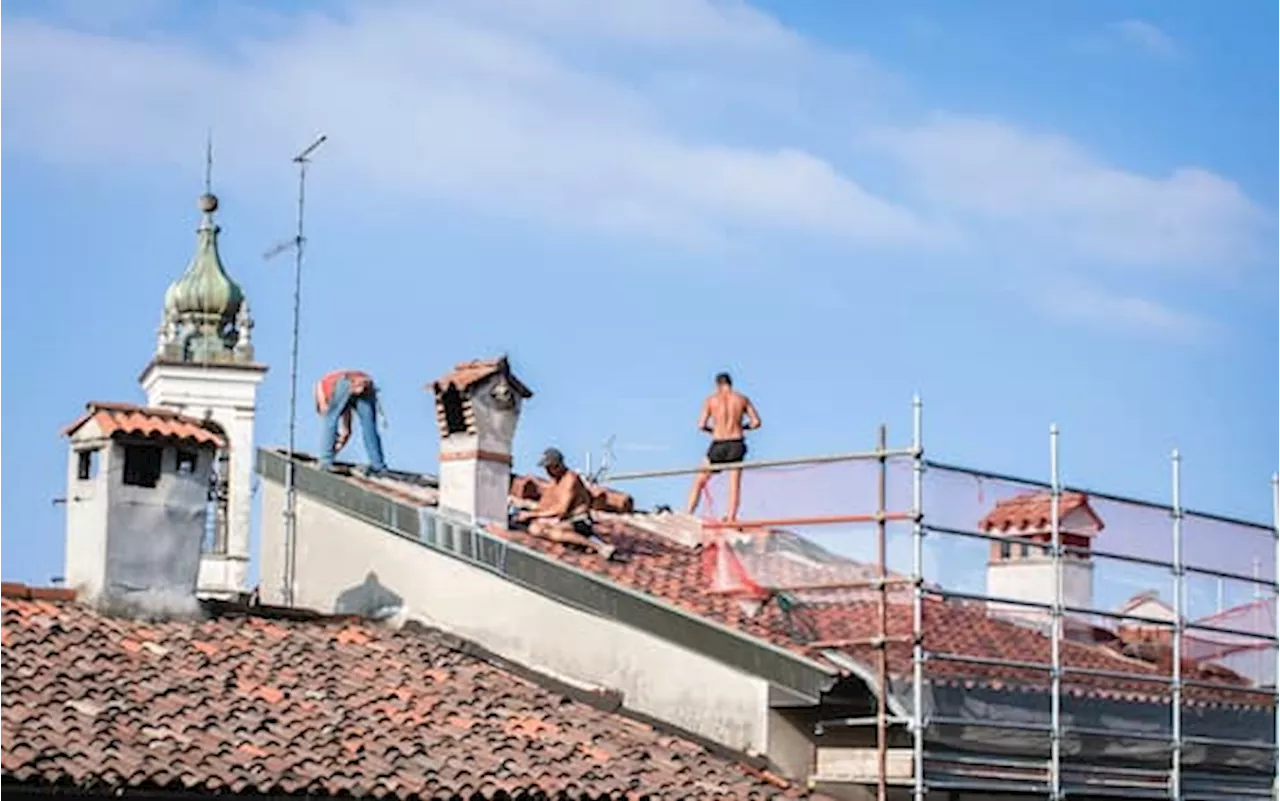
(337, 395)
(563, 514)
(721, 416)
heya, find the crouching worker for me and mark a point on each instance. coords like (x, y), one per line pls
(563, 514)
(337, 395)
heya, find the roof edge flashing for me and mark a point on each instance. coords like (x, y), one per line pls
(554, 579)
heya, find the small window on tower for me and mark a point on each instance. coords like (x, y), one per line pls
(187, 461)
(86, 464)
(142, 465)
(1026, 550)
(1006, 550)
(455, 419)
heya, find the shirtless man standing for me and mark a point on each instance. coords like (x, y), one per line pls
(721, 416)
(564, 512)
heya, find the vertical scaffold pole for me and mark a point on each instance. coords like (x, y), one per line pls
(882, 663)
(917, 600)
(1179, 589)
(1275, 524)
(1055, 642)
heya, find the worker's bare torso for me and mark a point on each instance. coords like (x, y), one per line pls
(726, 410)
(568, 485)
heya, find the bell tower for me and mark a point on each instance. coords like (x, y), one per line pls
(203, 367)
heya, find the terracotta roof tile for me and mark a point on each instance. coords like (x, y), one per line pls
(663, 567)
(128, 419)
(675, 573)
(1033, 510)
(465, 375)
(319, 706)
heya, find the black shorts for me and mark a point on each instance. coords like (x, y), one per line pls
(583, 525)
(727, 451)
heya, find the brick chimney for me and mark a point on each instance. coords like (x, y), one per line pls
(477, 408)
(137, 508)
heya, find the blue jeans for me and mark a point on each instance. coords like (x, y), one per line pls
(366, 410)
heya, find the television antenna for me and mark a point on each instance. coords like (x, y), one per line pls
(606, 460)
(298, 244)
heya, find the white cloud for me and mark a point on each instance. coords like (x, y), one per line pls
(1065, 200)
(1147, 37)
(644, 117)
(1080, 303)
(472, 103)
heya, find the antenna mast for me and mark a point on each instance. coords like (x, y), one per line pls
(298, 243)
(208, 162)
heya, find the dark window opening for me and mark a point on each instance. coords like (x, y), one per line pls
(1026, 550)
(455, 419)
(142, 465)
(86, 464)
(1006, 550)
(187, 461)
(216, 511)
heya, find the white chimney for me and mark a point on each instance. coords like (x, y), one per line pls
(137, 506)
(1021, 567)
(477, 407)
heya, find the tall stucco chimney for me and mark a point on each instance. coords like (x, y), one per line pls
(138, 484)
(477, 407)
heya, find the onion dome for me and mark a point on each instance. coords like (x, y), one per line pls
(205, 293)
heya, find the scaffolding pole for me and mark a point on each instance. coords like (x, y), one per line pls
(917, 601)
(1275, 533)
(1179, 626)
(1055, 646)
(882, 664)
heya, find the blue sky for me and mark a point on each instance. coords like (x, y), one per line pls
(1027, 212)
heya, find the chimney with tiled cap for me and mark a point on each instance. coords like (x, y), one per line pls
(477, 408)
(1021, 566)
(138, 483)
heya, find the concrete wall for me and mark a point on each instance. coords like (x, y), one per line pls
(228, 395)
(340, 559)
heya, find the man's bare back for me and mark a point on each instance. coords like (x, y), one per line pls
(726, 410)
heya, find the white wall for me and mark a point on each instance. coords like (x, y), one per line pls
(228, 395)
(1032, 579)
(337, 553)
(86, 523)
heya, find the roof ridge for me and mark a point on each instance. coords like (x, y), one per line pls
(17, 590)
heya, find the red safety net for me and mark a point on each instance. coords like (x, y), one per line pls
(806, 530)
(1244, 645)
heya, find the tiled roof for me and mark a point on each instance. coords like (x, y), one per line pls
(126, 418)
(465, 375)
(662, 567)
(1033, 510)
(675, 574)
(247, 703)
